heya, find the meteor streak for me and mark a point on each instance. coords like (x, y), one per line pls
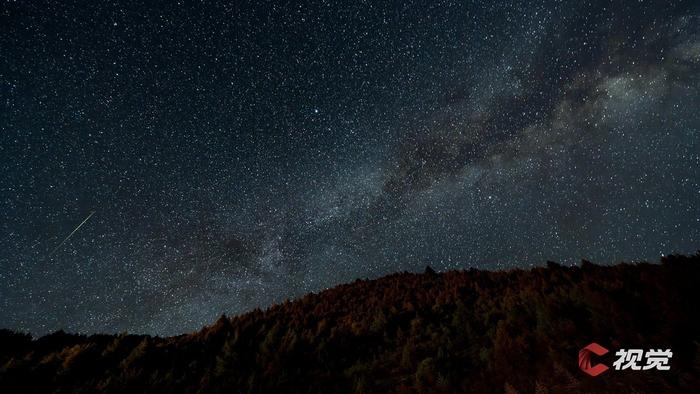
(71, 234)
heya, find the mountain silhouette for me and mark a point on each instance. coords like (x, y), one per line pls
(516, 331)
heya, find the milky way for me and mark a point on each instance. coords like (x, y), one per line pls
(238, 155)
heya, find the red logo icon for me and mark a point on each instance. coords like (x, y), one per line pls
(584, 359)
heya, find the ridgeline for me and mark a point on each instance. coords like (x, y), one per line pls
(516, 331)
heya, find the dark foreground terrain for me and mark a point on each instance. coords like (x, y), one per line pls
(461, 331)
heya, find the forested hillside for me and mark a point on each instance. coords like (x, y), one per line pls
(459, 331)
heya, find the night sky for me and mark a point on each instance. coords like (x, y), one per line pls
(227, 157)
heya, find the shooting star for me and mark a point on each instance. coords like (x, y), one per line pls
(71, 234)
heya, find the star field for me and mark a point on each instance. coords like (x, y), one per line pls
(236, 155)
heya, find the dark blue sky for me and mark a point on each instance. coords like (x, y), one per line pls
(238, 155)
